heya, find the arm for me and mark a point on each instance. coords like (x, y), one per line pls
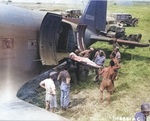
(54, 92)
(42, 84)
(117, 65)
(68, 80)
(83, 52)
(97, 53)
(59, 76)
(53, 88)
(102, 71)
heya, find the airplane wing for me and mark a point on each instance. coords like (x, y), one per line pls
(122, 42)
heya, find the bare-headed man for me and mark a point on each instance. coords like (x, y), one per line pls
(64, 76)
(50, 97)
(108, 80)
(86, 53)
(99, 60)
(118, 55)
(117, 65)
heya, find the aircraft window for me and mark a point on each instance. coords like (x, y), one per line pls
(7, 43)
(32, 44)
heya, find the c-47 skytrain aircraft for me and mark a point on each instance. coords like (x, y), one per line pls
(30, 40)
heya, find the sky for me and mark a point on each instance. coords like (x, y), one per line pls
(63, 1)
(50, 1)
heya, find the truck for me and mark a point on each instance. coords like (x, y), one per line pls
(125, 18)
(116, 30)
(72, 13)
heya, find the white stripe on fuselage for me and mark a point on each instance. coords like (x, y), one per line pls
(89, 17)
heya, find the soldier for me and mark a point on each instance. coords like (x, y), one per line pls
(64, 77)
(141, 116)
(50, 97)
(113, 57)
(108, 80)
(99, 60)
(118, 55)
(86, 53)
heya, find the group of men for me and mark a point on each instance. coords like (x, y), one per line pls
(49, 85)
(109, 73)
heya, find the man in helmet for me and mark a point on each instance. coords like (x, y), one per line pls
(141, 116)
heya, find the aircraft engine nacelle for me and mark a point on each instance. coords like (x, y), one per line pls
(55, 40)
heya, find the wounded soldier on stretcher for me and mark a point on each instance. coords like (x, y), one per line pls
(83, 60)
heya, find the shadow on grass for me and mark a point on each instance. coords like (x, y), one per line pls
(126, 56)
(122, 87)
(76, 101)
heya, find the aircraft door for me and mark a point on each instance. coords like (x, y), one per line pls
(66, 42)
(48, 39)
(80, 36)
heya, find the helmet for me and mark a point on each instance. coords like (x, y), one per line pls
(145, 107)
(53, 74)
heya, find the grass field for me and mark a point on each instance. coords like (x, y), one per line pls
(131, 89)
(133, 86)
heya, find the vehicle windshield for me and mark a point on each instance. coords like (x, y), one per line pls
(112, 22)
(120, 29)
(113, 28)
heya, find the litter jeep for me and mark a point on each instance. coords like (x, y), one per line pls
(125, 18)
(118, 31)
(72, 13)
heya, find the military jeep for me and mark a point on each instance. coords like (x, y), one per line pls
(118, 31)
(72, 13)
(125, 18)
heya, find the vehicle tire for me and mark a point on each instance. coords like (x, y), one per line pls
(134, 38)
(130, 37)
(135, 23)
(125, 46)
(138, 37)
(128, 24)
